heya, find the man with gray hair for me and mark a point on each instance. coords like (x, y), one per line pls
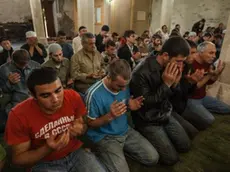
(200, 106)
(86, 64)
(107, 102)
(60, 63)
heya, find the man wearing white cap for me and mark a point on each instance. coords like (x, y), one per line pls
(60, 63)
(37, 51)
(192, 36)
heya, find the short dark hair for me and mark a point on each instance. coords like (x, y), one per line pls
(119, 67)
(163, 26)
(203, 20)
(157, 36)
(177, 25)
(4, 39)
(207, 34)
(186, 33)
(145, 31)
(61, 33)
(105, 28)
(82, 27)
(174, 34)
(41, 76)
(21, 56)
(128, 33)
(110, 43)
(218, 36)
(175, 30)
(114, 34)
(191, 44)
(175, 46)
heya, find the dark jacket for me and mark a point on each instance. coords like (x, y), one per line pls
(125, 53)
(67, 50)
(218, 31)
(180, 98)
(4, 55)
(147, 81)
(99, 43)
(197, 27)
(36, 56)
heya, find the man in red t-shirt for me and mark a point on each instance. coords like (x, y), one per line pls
(200, 107)
(42, 130)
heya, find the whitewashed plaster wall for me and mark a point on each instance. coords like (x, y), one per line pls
(14, 11)
(221, 89)
(66, 16)
(156, 15)
(187, 12)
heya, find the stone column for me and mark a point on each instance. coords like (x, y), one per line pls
(36, 10)
(86, 16)
(75, 17)
(107, 12)
(221, 89)
(55, 13)
(156, 16)
(166, 13)
(161, 14)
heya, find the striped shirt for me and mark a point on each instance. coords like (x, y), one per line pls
(98, 101)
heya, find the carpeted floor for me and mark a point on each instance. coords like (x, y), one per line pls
(210, 153)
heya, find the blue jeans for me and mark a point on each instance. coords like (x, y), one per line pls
(167, 139)
(112, 150)
(78, 161)
(199, 111)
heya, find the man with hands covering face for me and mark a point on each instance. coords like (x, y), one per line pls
(157, 79)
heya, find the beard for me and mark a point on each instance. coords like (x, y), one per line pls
(57, 62)
(156, 45)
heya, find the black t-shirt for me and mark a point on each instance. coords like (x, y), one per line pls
(99, 43)
(36, 56)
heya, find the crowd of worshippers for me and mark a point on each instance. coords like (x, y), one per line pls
(90, 89)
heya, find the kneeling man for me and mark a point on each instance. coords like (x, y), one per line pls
(42, 130)
(107, 102)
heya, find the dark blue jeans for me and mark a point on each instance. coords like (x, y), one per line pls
(112, 150)
(167, 139)
(78, 161)
(199, 111)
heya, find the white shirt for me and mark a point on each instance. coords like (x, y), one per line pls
(165, 36)
(77, 44)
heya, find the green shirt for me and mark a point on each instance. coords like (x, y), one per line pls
(2, 153)
(63, 70)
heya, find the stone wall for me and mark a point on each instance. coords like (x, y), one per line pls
(66, 16)
(187, 12)
(120, 16)
(140, 25)
(14, 11)
(156, 15)
(85, 14)
(221, 89)
(99, 4)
